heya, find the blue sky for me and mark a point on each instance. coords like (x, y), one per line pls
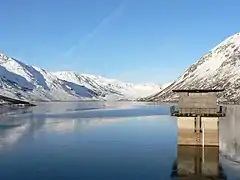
(132, 40)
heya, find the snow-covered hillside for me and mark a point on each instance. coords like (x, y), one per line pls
(109, 87)
(219, 68)
(21, 81)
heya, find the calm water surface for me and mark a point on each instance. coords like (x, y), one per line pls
(96, 141)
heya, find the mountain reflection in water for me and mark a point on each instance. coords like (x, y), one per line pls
(106, 141)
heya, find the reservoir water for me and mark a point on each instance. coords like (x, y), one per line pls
(107, 141)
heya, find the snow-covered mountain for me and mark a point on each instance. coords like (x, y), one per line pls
(109, 87)
(21, 81)
(217, 69)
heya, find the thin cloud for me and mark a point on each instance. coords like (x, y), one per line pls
(116, 12)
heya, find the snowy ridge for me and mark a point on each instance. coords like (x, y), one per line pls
(217, 69)
(104, 87)
(22, 81)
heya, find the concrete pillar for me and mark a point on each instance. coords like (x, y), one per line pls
(190, 131)
(197, 124)
(211, 131)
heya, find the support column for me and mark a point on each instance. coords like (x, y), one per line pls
(190, 131)
(198, 124)
(198, 130)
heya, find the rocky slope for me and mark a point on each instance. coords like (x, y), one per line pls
(217, 69)
(21, 81)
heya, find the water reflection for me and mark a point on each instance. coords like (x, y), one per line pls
(132, 141)
(13, 130)
(68, 117)
(195, 162)
(12, 135)
(90, 148)
(63, 125)
(91, 110)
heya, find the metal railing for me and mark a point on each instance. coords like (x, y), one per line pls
(177, 111)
